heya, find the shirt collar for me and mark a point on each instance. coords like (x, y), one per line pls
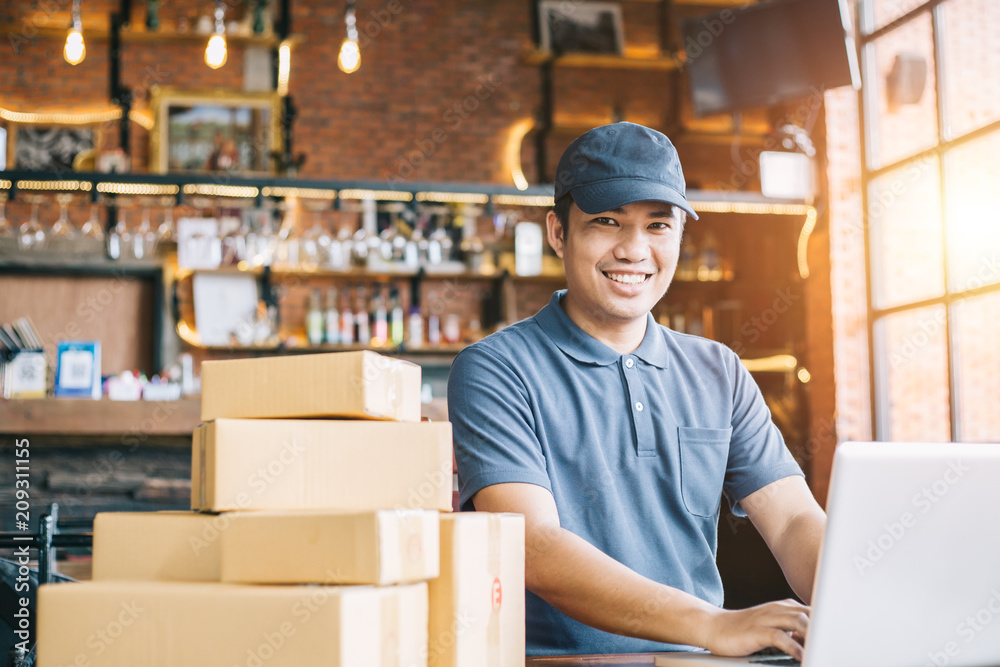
(583, 347)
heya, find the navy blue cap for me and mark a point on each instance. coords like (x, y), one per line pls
(613, 165)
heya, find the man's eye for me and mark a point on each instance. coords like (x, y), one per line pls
(604, 221)
(661, 225)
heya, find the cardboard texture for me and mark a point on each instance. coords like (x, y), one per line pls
(157, 546)
(241, 464)
(356, 385)
(477, 603)
(156, 624)
(381, 547)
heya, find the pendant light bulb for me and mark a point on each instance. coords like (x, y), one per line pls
(216, 52)
(349, 59)
(75, 50)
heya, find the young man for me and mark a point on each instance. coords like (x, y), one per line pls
(617, 437)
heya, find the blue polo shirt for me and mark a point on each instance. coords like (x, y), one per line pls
(637, 450)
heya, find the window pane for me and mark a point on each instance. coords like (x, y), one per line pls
(972, 176)
(913, 350)
(903, 127)
(978, 367)
(904, 215)
(971, 62)
(887, 11)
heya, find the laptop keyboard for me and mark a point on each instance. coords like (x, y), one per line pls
(773, 656)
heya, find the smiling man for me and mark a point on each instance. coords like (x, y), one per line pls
(617, 438)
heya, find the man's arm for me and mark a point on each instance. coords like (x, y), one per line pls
(587, 585)
(792, 524)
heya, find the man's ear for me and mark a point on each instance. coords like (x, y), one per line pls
(556, 233)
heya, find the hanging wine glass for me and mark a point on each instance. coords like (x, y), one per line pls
(316, 243)
(166, 231)
(63, 233)
(144, 238)
(31, 235)
(6, 228)
(93, 229)
(120, 238)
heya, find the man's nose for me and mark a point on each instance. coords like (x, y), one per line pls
(632, 245)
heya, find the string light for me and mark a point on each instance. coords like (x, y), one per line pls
(75, 50)
(216, 53)
(349, 59)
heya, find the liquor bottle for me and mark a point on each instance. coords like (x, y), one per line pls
(709, 261)
(433, 331)
(332, 317)
(314, 319)
(364, 336)
(346, 319)
(380, 320)
(395, 319)
(415, 341)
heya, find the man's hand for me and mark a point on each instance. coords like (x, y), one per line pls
(782, 624)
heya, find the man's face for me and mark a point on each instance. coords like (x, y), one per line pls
(618, 263)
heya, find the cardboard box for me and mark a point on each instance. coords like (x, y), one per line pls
(477, 603)
(355, 385)
(157, 546)
(265, 464)
(157, 624)
(381, 547)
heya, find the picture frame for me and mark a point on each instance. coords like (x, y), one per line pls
(214, 131)
(580, 27)
(51, 147)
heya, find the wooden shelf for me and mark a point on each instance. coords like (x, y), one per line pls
(599, 60)
(82, 417)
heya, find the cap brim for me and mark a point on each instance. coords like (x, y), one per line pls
(615, 193)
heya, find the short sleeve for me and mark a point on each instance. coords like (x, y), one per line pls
(493, 425)
(757, 453)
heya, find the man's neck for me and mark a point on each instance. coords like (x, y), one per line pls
(623, 336)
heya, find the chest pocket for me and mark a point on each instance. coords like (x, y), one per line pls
(704, 454)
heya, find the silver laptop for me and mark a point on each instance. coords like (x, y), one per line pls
(909, 574)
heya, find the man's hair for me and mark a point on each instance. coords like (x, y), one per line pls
(565, 203)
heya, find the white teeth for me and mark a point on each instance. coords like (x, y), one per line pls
(627, 278)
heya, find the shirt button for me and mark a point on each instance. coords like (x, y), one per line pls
(629, 363)
(638, 406)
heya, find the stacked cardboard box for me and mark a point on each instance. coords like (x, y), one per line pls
(346, 485)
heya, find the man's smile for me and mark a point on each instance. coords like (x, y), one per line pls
(627, 278)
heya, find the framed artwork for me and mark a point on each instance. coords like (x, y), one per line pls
(580, 27)
(50, 147)
(214, 131)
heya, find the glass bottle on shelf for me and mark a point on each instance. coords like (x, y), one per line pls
(344, 238)
(379, 319)
(331, 318)
(366, 241)
(346, 318)
(433, 330)
(396, 334)
(687, 262)
(709, 261)
(364, 336)
(472, 246)
(288, 249)
(314, 319)
(415, 333)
